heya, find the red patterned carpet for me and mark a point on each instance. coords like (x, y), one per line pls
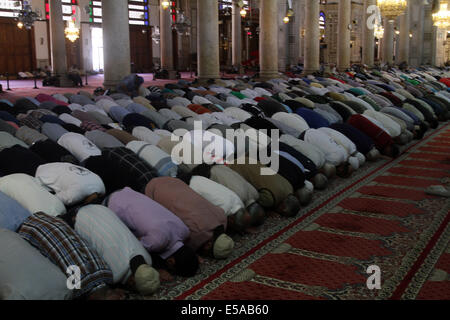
(383, 217)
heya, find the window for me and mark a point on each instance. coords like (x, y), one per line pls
(69, 9)
(223, 4)
(322, 20)
(137, 12)
(8, 8)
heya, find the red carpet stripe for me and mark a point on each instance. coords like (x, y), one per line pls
(404, 284)
(413, 172)
(407, 182)
(380, 206)
(444, 263)
(254, 291)
(354, 223)
(425, 164)
(238, 260)
(313, 272)
(438, 144)
(276, 235)
(432, 290)
(431, 156)
(435, 149)
(394, 192)
(338, 245)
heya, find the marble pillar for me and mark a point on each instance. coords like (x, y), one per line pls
(166, 44)
(116, 42)
(268, 39)
(368, 56)
(404, 40)
(343, 43)
(58, 43)
(388, 42)
(236, 41)
(312, 34)
(208, 39)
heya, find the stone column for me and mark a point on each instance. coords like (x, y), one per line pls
(283, 43)
(368, 57)
(58, 43)
(268, 39)
(296, 32)
(380, 50)
(312, 34)
(403, 48)
(388, 42)
(343, 44)
(417, 24)
(166, 44)
(236, 44)
(116, 42)
(208, 39)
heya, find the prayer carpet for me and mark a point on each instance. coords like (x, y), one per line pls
(381, 216)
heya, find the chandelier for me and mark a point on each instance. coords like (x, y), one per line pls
(165, 4)
(391, 9)
(72, 32)
(156, 35)
(441, 19)
(182, 24)
(26, 16)
(379, 32)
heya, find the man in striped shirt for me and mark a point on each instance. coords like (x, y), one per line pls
(64, 248)
(129, 261)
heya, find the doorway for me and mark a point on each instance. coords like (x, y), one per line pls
(97, 49)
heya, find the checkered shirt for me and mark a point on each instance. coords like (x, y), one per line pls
(62, 246)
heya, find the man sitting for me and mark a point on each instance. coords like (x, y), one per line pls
(74, 75)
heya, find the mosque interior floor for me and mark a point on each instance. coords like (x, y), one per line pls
(380, 216)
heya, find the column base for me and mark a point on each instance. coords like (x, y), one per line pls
(309, 72)
(205, 79)
(110, 84)
(65, 82)
(239, 68)
(172, 75)
(268, 75)
(341, 69)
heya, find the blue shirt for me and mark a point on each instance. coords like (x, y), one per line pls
(118, 113)
(7, 102)
(136, 108)
(12, 214)
(314, 120)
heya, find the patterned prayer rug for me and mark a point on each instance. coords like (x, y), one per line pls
(380, 216)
